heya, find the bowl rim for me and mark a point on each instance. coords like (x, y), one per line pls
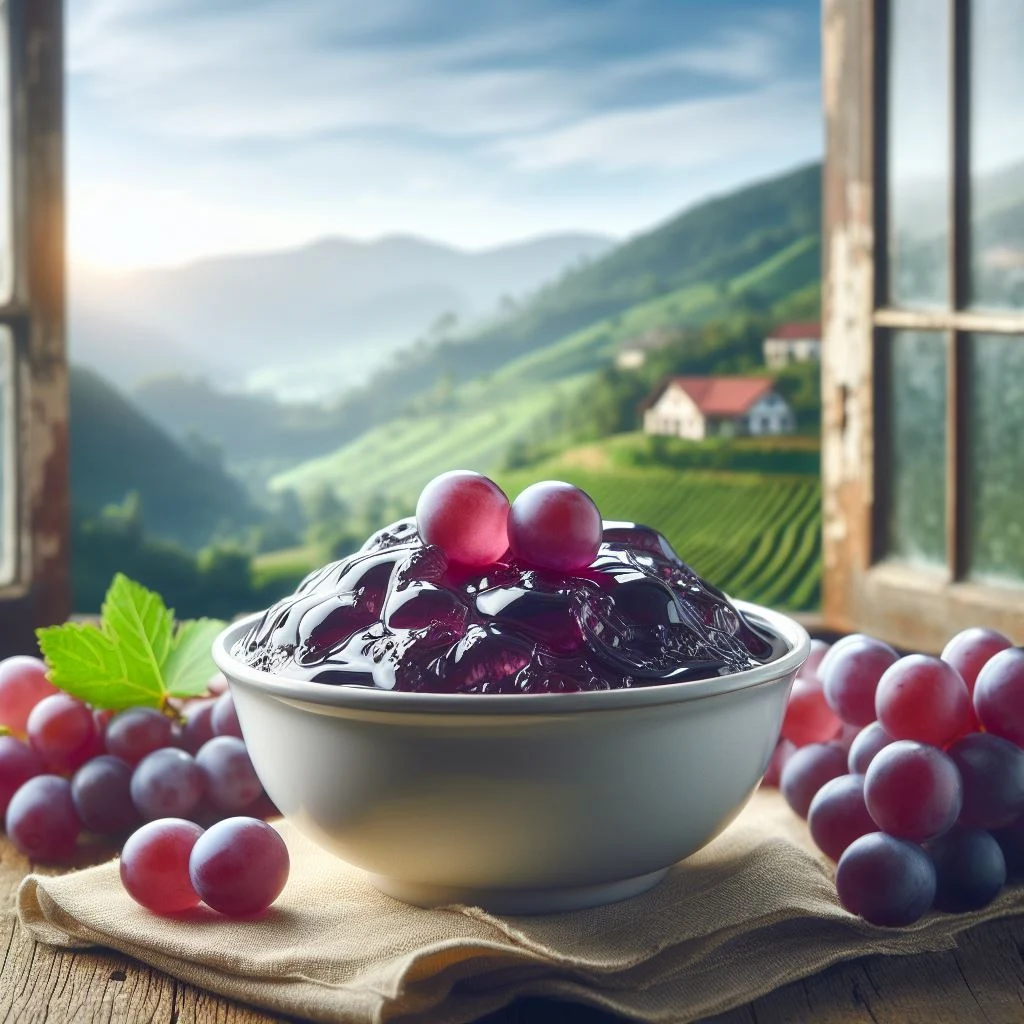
(373, 699)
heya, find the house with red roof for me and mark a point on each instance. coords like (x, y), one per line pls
(792, 343)
(701, 407)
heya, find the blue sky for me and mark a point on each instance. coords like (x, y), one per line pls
(207, 126)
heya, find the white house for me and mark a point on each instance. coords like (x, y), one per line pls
(792, 343)
(700, 407)
(634, 352)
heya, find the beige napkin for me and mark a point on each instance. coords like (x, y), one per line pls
(754, 910)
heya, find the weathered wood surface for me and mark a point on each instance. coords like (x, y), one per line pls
(981, 981)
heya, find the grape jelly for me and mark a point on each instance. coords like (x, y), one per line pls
(397, 616)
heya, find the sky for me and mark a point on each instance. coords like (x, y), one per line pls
(201, 127)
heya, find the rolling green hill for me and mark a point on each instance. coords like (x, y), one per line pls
(754, 252)
(115, 450)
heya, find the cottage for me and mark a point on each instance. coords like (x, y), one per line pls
(700, 407)
(793, 343)
(634, 351)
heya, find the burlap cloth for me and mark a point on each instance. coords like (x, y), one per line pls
(754, 910)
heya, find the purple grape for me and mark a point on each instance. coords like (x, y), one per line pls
(850, 677)
(1011, 842)
(102, 792)
(885, 880)
(970, 869)
(231, 780)
(838, 815)
(167, 784)
(154, 865)
(18, 764)
(992, 771)
(134, 733)
(239, 866)
(868, 742)
(198, 727)
(807, 770)
(224, 719)
(913, 791)
(41, 820)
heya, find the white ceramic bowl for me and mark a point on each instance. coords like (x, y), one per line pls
(518, 803)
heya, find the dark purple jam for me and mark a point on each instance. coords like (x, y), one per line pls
(397, 616)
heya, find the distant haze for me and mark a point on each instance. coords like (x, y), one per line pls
(304, 323)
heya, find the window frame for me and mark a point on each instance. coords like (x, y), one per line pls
(40, 590)
(910, 606)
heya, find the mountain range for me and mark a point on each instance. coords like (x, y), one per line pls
(462, 397)
(303, 323)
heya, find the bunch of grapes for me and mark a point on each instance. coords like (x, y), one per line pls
(67, 768)
(909, 771)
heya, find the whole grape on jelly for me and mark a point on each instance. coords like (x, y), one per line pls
(402, 614)
(465, 514)
(554, 525)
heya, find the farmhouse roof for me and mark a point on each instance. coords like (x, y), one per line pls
(791, 331)
(718, 396)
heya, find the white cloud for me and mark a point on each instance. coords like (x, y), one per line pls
(268, 72)
(689, 134)
(202, 126)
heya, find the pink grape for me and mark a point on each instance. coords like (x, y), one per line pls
(18, 764)
(852, 678)
(885, 880)
(217, 685)
(992, 772)
(807, 770)
(466, 515)
(868, 742)
(970, 869)
(167, 784)
(913, 791)
(23, 684)
(783, 750)
(41, 819)
(924, 699)
(231, 780)
(134, 733)
(999, 695)
(554, 525)
(224, 718)
(809, 669)
(808, 717)
(101, 719)
(154, 865)
(971, 649)
(101, 790)
(63, 732)
(833, 652)
(838, 815)
(239, 866)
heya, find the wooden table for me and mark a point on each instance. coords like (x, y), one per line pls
(983, 980)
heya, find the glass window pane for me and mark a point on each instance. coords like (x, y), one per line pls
(995, 484)
(7, 458)
(997, 153)
(916, 418)
(918, 153)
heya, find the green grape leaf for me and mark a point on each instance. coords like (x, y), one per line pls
(189, 667)
(133, 658)
(89, 665)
